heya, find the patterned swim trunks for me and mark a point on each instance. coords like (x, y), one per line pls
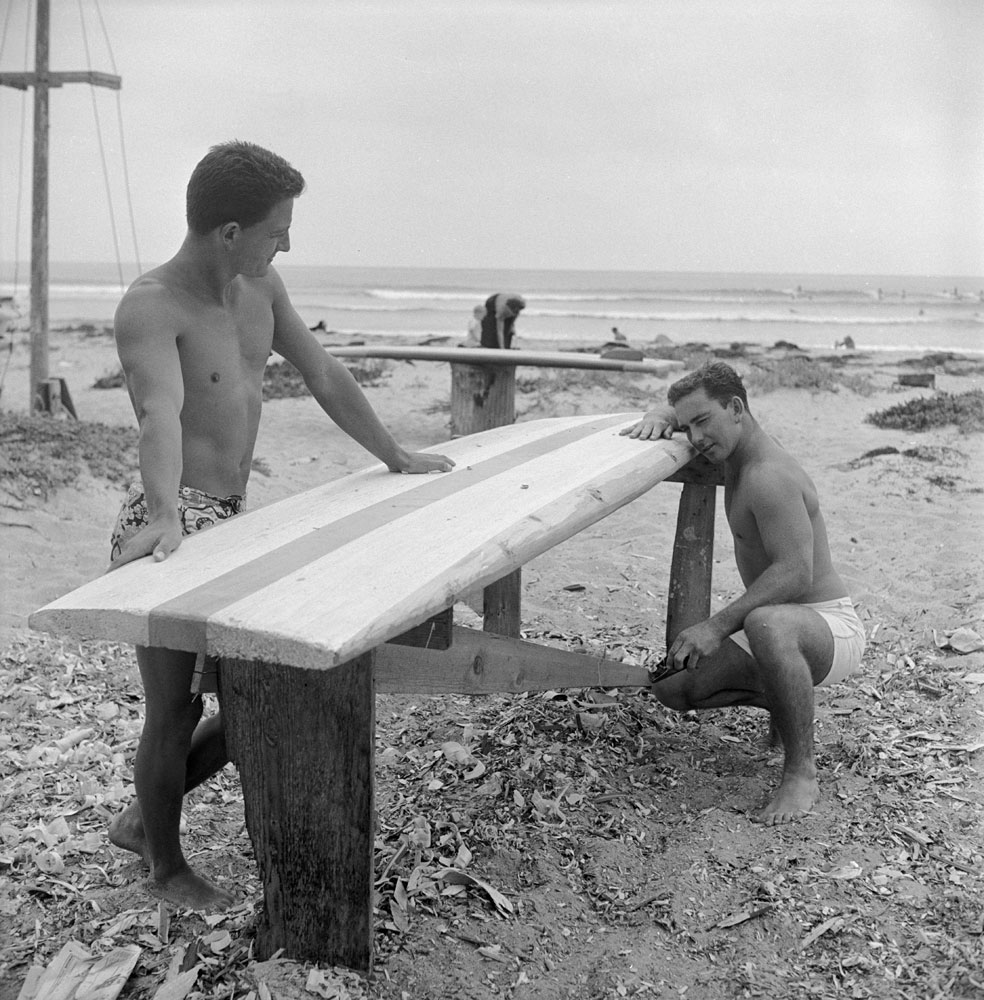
(198, 510)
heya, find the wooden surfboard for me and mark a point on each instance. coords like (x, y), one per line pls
(492, 356)
(323, 576)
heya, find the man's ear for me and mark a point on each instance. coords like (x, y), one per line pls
(737, 407)
(228, 231)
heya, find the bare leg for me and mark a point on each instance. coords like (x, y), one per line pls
(206, 757)
(162, 772)
(793, 649)
(787, 640)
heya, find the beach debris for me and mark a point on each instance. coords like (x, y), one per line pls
(898, 828)
(960, 640)
(111, 380)
(749, 912)
(918, 380)
(76, 972)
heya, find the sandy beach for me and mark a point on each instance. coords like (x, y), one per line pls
(906, 528)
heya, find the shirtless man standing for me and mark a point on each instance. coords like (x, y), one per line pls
(193, 336)
(794, 627)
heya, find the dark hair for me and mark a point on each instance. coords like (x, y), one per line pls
(238, 182)
(720, 381)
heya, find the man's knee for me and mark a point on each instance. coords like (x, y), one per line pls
(174, 721)
(771, 630)
(675, 692)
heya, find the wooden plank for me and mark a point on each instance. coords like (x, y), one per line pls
(303, 741)
(266, 585)
(482, 663)
(492, 356)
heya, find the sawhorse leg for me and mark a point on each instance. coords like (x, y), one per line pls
(303, 741)
(503, 605)
(689, 597)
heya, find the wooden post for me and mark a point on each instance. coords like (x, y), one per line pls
(689, 597)
(39, 213)
(303, 741)
(482, 397)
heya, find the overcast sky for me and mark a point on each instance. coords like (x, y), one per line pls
(680, 135)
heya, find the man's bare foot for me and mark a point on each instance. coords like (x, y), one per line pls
(127, 831)
(191, 891)
(795, 797)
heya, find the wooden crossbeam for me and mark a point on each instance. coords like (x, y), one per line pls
(484, 663)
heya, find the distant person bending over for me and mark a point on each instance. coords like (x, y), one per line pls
(474, 338)
(500, 318)
(193, 336)
(795, 626)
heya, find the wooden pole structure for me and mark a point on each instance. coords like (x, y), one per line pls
(689, 597)
(42, 80)
(483, 397)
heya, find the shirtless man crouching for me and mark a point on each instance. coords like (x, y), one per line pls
(794, 627)
(193, 336)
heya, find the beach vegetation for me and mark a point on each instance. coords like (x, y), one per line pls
(281, 380)
(39, 454)
(965, 410)
(802, 372)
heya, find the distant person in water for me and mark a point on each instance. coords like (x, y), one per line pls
(847, 343)
(795, 626)
(499, 320)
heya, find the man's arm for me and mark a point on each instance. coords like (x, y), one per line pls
(146, 341)
(657, 423)
(776, 503)
(337, 392)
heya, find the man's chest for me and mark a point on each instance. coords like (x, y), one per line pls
(741, 519)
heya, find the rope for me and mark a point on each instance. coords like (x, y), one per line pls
(20, 180)
(119, 121)
(102, 149)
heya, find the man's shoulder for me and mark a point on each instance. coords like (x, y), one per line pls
(769, 466)
(147, 290)
(269, 286)
(148, 303)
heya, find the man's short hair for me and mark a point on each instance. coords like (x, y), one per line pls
(238, 182)
(516, 302)
(720, 381)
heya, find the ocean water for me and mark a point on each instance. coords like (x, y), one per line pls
(581, 308)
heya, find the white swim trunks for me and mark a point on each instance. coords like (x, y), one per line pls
(848, 633)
